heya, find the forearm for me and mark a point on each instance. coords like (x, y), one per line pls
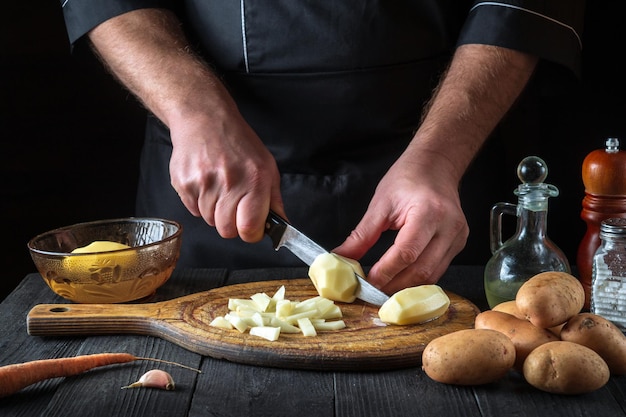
(148, 52)
(480, 86)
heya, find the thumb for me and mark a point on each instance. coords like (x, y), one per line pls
(362, 238)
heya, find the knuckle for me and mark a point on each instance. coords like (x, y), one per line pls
(408, 254)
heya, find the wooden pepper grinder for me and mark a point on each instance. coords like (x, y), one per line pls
(604, 177)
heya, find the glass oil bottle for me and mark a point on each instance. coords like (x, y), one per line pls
(529, 251)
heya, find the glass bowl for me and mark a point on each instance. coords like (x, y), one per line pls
(109, 276)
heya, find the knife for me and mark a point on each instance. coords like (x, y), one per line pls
(285, 235)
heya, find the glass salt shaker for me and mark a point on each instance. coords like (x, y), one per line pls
(608, 282)
(529, 251)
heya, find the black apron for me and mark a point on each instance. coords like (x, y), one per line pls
(334, 89)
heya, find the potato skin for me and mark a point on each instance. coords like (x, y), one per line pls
(565, 368)
(524, 335)
(468, 357)
(509, 307)
(550, 298)
(600, 335)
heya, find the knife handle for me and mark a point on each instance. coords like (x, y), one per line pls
(275, 227)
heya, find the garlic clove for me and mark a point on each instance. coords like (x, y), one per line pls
(154, 378)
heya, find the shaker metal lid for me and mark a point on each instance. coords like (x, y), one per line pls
(614, 225)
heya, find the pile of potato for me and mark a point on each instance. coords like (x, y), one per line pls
(543, 334)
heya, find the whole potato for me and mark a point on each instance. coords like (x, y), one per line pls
(510, 307)
(600, 335)
(468, 357)
(565, 368)
(524, 335)
(550, 298)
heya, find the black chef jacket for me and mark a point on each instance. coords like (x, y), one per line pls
(335, 89)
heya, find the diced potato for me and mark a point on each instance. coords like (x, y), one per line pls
(266, 332)
(237, 322)
(279, 294)
(259, 320)
(284, 326)
(307, 327)
(284, 308)
(234, 303)
(221, 322)
(328, 325)
(415, 305)
(333, 277)
(265, 314)
(306, 305)
(262, 300)
(333, 313)
(305, 314)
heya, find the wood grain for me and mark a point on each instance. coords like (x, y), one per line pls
(365, 344)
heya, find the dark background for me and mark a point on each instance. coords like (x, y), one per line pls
(71, 135)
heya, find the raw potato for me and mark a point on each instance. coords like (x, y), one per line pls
(524, 335)
(415, 305)
(333, 277)
(84, 262)
(563, 367)
(511, 308)
(600, 335)
(268, 317)
(550, 298)
(468, 357)
(101, 246)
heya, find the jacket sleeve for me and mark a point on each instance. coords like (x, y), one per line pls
(83, 15)
(551, 29)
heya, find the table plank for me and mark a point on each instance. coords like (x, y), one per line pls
(99, 390)
(231, 389)
(513, 396)
(405, 392)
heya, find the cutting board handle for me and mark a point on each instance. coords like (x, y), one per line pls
(81, 319)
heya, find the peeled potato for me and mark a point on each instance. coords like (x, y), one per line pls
(414, 305)
(100, 257)
(101, 246)
(333, 277)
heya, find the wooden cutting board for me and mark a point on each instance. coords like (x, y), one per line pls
(365, 344)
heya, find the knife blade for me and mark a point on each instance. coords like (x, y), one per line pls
(285, 235)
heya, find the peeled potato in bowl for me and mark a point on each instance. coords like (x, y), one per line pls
(108, 261)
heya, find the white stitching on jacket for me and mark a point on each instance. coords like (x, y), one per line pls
(495, 3)
(243, 36)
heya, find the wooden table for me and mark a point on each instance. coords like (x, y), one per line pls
(230, 389)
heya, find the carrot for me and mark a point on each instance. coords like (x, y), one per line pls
(17, 376)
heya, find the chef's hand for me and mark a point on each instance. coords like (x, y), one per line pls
(419, 195)
(421, 202)
(224, 173)
(219, 167)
